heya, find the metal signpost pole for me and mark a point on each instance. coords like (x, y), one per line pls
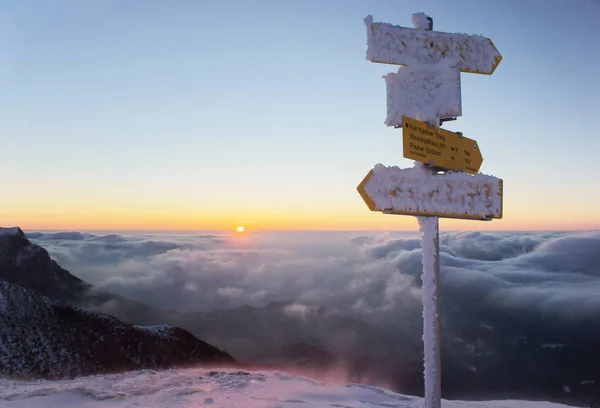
(433, 388)
(432, 368)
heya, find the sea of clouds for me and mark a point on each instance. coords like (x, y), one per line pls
(375, 275)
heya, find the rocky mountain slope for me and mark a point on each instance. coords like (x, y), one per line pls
(43, 337)
(29, 265)
(40, 337)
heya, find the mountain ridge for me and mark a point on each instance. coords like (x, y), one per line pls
(27, 264)
(44, 337)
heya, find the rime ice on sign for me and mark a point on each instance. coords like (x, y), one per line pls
(390, 44)
(414, 191)
(426, 92)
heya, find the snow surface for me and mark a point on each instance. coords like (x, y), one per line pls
(423, 92)
(220, 388)
(392, 44)
(416, 190)
(428, 227)
(9, 231)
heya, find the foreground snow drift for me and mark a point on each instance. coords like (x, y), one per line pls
(226, 388)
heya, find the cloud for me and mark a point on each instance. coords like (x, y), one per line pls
(384, 246)
(376, 276)
(95, 257)
(575, 253)
(60, 236)
(299, 310)
(489, 247)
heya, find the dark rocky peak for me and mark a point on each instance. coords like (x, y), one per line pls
(26, 264)
(12, 240)
(43, 338)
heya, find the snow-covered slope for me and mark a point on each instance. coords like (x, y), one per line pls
(220, 388)
(40, 337)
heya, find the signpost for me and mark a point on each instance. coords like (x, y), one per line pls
(439, 147)
(424, 93)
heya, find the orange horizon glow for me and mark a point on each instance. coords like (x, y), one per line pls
(265, 222)
(320, 216)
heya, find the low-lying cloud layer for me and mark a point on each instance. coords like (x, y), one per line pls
(556, 274)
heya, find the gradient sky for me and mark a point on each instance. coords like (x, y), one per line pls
(205, 114)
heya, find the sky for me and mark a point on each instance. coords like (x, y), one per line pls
(207, 115)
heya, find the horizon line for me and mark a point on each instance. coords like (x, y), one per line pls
(290, 230)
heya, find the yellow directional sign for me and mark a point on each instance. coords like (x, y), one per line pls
(390, 44)
(392, 190)
(439, 147)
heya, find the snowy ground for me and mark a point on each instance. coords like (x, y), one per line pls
(204, 388)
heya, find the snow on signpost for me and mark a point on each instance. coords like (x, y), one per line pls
(390, 44)
(428, 83)
(414, 191)
(424, 93)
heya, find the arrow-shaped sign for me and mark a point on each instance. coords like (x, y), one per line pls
(439, 147)
(413, 191)
(390, 44)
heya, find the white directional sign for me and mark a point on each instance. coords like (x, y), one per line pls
(390, 44)
(423, 92)
(415, 191)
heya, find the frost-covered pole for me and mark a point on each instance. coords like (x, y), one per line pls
(430, 244)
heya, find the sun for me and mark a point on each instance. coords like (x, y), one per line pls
(240, 228)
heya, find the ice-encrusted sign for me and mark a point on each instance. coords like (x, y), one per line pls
(415, 191)
(423, 93)
(427, 85)
(390, 44)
